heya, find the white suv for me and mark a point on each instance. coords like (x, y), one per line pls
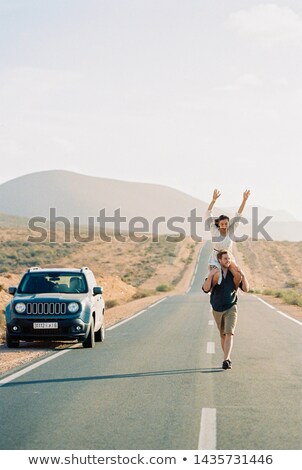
(56, 304)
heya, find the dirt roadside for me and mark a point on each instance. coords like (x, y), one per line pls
(263, 271)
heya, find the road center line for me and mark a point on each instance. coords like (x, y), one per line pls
(207, 434)
(210, 347)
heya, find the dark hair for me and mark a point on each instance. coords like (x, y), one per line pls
(221, 253)
(221, 217)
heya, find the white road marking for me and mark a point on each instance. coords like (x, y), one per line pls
(210, 347)
(33, 366)
(158, 302)
(125, 321)
(263, 301)
(290, 318)
(134, 316)
(211, 322)
(195, 271)
(279, 311)
(207, 434)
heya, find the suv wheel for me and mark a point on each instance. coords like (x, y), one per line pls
(11, 342)
(90, 341)
(100, 335)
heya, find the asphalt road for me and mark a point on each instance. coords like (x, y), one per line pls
(157, 383)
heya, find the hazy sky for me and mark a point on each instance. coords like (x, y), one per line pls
(192, 94)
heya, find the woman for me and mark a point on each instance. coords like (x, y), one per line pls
(220, 233)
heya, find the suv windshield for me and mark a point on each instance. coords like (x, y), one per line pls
(53, 282)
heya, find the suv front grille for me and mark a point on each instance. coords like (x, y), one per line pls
(46, 308)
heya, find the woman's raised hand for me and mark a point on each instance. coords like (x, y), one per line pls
(246, 194)
(216, 194)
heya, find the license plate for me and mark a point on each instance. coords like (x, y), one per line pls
(45, 326)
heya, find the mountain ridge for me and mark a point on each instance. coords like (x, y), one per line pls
(73, 195)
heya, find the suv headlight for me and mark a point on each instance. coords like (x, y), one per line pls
(73, 307)
(20, 307)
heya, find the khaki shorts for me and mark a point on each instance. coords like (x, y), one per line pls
(226, 321)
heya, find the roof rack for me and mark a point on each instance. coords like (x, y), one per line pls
(33, 268)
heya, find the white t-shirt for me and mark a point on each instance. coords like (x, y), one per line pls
(219, 242)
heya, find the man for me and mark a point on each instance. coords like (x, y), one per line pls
(224, 301)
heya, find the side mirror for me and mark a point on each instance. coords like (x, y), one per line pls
(12, 290)
(97, 290)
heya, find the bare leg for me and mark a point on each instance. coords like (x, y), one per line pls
(233, 267)
(215, 278)
(227, 345)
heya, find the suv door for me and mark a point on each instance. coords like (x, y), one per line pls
(96, 301)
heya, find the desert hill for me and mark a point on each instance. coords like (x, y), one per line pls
(73, 194)
(76, 195)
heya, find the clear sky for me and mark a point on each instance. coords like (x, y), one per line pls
(192, 94)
